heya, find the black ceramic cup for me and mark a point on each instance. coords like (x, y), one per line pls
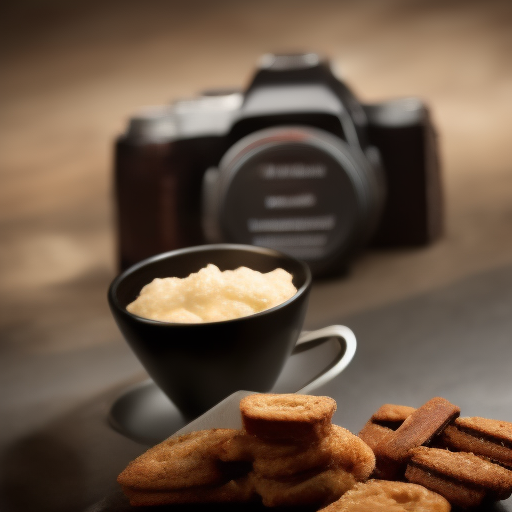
(197, 365)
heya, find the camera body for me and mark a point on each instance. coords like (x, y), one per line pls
(295, 163)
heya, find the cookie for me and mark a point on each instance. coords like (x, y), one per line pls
(304, 489)
(290, 417)
(462, 478)
(489, 438)
(387, 496)
(339, 448)
(392, 451)
(179, 462)
(387, 418)
(234, 491)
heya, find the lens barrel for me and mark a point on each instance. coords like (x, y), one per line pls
(302, 191)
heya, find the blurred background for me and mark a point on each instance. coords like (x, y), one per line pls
(73, 72)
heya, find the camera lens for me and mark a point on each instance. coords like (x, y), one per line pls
(300, 190)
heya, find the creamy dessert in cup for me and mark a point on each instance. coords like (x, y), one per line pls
(213, 295)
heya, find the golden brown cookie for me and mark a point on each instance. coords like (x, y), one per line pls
(245, 447)
(234, 491)
(392, 452)
(481, 436)
(275, 460)
(340, 449)
(352, 453)
(462, 478)
(290, 417)
(179, 462)
(386, 496)
(392, 415)
(303, 489)
(388, 417)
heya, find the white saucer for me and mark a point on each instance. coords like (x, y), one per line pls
(143, 413)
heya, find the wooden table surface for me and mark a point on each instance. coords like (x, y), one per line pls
(72, 75)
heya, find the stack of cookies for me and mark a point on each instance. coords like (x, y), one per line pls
(297, 455)
(466, 460)
(288, 453)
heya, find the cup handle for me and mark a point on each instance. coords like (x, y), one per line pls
(346, 339)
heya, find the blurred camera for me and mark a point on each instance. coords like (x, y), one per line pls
(295, 163)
